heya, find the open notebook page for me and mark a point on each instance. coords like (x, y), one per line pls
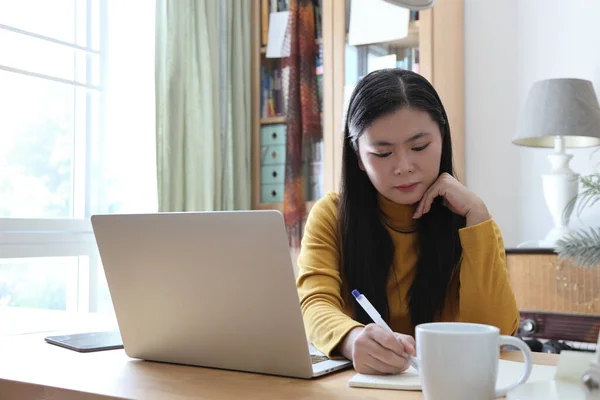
(508, 372)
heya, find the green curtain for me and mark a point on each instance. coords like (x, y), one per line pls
(203, 104)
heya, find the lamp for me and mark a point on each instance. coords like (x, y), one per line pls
(559, 113)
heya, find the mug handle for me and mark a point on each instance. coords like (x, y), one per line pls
(521, 345)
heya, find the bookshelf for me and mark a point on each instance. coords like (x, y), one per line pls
(436, 36)
(263, 49)
(268, 112)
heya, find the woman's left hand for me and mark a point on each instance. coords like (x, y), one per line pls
(456, 197)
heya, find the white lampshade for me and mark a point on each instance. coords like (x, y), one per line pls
(564, 107)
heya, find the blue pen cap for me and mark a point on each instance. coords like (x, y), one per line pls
(355, 293)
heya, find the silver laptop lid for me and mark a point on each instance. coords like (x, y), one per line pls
(211, 289)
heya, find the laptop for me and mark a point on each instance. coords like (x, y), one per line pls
(209, 289)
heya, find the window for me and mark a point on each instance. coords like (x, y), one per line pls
(76, 138)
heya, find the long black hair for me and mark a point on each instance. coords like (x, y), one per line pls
(367, 247)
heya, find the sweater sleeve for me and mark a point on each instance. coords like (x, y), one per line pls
(486, 296)
(319, 280)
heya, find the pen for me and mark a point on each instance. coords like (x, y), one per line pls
(376, 317)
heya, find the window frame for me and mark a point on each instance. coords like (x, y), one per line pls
(68, 237)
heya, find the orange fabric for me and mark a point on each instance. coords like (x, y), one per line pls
(303, 116)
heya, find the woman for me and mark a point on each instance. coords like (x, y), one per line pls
(403, 231)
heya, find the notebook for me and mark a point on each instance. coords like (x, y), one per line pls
(508, 372)
(89, 341)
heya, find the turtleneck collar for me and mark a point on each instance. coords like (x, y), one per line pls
(399, 217)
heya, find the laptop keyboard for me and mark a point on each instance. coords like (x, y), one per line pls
(317, 358)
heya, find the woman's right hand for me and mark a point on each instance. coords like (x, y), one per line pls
(373, 350)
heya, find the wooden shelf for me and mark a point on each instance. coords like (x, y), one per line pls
(270, 206)
(263, 49)
(272, 120)
(279, 206)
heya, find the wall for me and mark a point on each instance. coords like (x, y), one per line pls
(509, 44)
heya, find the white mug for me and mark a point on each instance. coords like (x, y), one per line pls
(460, 360)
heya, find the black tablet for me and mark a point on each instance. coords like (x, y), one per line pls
(89, 341)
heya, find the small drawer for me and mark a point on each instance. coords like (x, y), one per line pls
(272, 155)
(272, 135)
(271, 193)
(272, 174)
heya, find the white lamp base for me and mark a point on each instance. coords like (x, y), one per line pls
(556, 233)
(560, 186)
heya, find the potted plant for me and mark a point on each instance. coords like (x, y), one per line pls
(583, 245)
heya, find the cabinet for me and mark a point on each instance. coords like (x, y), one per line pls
(557, 299)
(272, 162)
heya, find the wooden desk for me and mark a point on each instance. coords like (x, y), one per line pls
(33, 369)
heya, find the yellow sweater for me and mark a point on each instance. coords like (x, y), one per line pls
(485, 294)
